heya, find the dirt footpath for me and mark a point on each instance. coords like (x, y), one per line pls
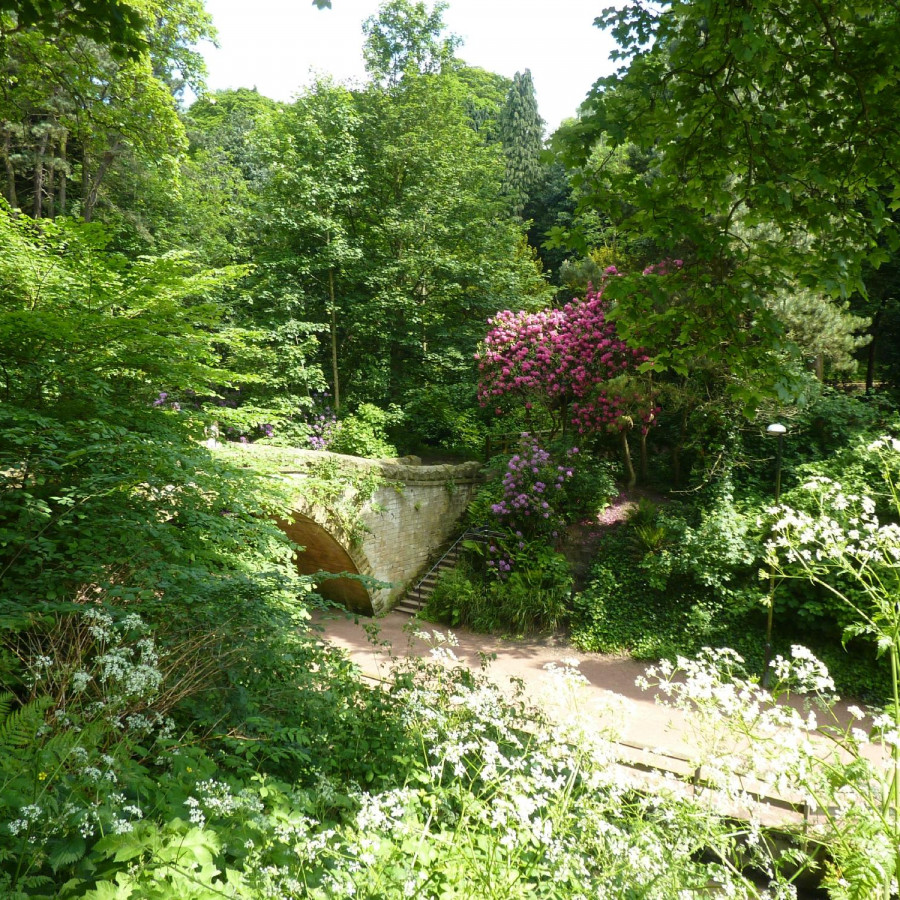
(610, 698)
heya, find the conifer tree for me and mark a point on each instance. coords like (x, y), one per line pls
(521, 132)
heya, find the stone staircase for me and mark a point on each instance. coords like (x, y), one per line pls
(416, 598)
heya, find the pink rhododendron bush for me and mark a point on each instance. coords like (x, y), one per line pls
(571, 364)
(569, 361)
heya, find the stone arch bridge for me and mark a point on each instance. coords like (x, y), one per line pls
(379, 518)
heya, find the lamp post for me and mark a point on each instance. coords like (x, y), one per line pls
(778, 430)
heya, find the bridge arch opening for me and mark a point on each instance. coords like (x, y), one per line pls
(325, 553)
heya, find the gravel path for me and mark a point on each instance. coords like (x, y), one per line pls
(611, 697)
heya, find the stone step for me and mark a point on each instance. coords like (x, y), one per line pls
(443, 567)
(407, 610)
(414, 600)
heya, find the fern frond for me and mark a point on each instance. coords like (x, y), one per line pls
(19, 727)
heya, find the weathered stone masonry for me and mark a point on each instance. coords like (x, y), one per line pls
(390, 536)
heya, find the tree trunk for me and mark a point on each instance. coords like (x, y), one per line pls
(63, 174)
(874, 330)
(644, 462)
(38, 200)
(10, 172)
(629, 465)
(93, 184)
(820, 366)
(676, 450)
(334, 343)
(398, 358)
(85, 180)
(51, 185)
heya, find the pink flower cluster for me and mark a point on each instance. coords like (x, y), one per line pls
(528, 487)
(664, 267)
(559, 357)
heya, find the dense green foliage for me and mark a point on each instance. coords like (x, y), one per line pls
(320, 273)
(85, 131)
(116, 24)
(760, 172)
(670, 583)
(521, 132)
(685, 573)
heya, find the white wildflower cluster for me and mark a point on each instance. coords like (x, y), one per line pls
(100, 683)
(101, 625)
(131, 671)
(567, 674)
(582, 716)
(441, 644)
(844, 535)
(115, 676)
(802, 672)
(885, 443)
(195, 814)
(149, 723)
(117, 668)
(767, 740)
(28, 817)
(385, 812)
(102, 809)
(80, 681)
(215, 799)
(745, 735)
(534, 790)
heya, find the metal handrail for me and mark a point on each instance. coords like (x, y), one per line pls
(468, 534)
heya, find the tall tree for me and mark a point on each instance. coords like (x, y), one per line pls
(314, 181)
(766, 120)
(72, 113)
(443, 253)
(522, 134)
(825, 332)
(406, 37)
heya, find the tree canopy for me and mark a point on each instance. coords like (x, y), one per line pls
(780, 113)
(118, 24)
(763, 151)
(406, 37)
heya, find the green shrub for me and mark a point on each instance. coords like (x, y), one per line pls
(458, 595)
(646, 512)
(672, 580)
(648, 539)
(364, 433)
(532, 597)
(702, 588)
(590, 488)
(532, 600)
(442, 415)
